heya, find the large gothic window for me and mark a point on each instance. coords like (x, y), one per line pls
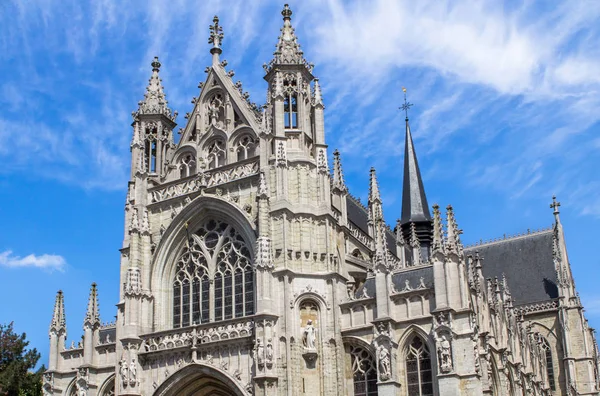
(547, 355)
(216, 154)
(418, 369)
(217, 257)
(246, 147)
(364, 371)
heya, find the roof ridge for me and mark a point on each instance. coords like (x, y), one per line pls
(506, 238)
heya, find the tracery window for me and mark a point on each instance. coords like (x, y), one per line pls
(216, 154)
(216, 248)
(246, 147)
(290, 102)
(187, 167)
(418, 369)
(545, 347)
(364, 371)
(150, 153)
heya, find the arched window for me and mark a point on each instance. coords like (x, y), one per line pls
(109, 389)
(215, 248)
(246, 147)
(290, 101)
(419, 379)
(216, 154)
(187, 166)
(150, 153)
(547, 354)
(364, 371)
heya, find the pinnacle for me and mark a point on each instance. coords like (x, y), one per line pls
(338, 174)
(374, 188)
(58, 323)
(155, 101)
(92, 316)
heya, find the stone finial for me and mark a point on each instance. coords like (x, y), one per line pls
(216, 36)
(555, 205)
(338, 174)
(92, 315)
(438, 230)
(454, 244)
(58, 324)
(374, 195)
(317, 96)
(155, 100)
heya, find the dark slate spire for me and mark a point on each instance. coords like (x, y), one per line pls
(414, 201)
(415, 210)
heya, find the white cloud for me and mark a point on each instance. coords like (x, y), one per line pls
(45, 261)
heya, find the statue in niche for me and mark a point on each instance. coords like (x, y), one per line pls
(260, 352)
(309, 336)
(444, 354)
(269, 352)
(132, 373)
(385, 368)
(124, 371)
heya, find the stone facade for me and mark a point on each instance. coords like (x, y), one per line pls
(248, 268)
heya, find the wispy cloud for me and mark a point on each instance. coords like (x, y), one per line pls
(45, 261)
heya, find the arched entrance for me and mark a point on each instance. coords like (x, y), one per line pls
(199, 380)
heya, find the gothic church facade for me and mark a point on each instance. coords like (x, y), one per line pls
(247, 268)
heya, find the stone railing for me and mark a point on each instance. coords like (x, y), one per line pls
(197, 335)
(360, 235)
(207, 179)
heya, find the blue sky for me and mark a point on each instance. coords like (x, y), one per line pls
(506, 113)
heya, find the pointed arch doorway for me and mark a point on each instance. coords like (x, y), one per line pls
(199, 380)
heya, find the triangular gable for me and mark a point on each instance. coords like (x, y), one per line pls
(216, 77)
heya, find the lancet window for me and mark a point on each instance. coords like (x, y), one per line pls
(290, 102)
(547, 355)
(419, 379)
(364, 371)
(215, 265)
(150, 148)
(187, 166)
(216, 154)
(246, 147)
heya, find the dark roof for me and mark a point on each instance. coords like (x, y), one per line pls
(369, 285)
(357, 214)
(527, 263)
(414, 202)
(414, 278)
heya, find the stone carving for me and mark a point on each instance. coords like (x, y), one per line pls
(309, 335)
(260, 353)
(269, 353)
(133, 283)
(206, 179)
(124, 371)
(133, 372)
(444, 354)
(281, 154)
(384, 362)
(360, 235)
(263, 253)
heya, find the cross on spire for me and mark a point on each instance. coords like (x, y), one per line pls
(555, 204)
(406, 105)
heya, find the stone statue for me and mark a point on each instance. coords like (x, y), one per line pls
(269, 352)
(133, 372)
(445, 356)
(309, 335)
(260, 352)
(384, 363)
(124, 371)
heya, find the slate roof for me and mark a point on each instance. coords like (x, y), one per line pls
(527, 263)
(414, 278)
(357, 214)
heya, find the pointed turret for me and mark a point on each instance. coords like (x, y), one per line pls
(415, 209)
(155, 100)
(287, 50)
(338, 174)
(92, 316)
(58, 323)
(317, 95)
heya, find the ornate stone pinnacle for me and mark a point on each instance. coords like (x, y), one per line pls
(155, 64)
(216, 34)
(338, 174)
(286, 12)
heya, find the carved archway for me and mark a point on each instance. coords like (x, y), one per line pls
(199, 380)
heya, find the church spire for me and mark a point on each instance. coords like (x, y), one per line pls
(155, 101)
(92, 316)
(414, 200)
(287, 50)
(58, 323)
(338, 174)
